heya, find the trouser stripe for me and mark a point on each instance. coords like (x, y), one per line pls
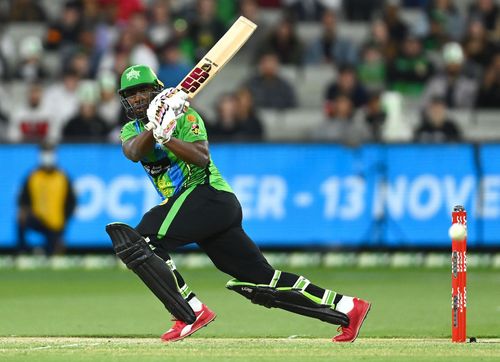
(301, 283)
(185, 291)
(328, 297)
(173, 211)
(275, 279)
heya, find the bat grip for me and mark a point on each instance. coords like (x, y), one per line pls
(149, 126)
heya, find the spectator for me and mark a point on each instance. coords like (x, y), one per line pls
(488, 12)
(362, 10)
(86, 125)
(409, 71)
(227, 125)
(119, 55)
(452, 84)
(250, 122)
(26, 11)
(31, 68)
(443, 13)
(4, 10)
(331, 48)
(489, 92)
(436, 126)
(8, 50)
(375, 115)
(250, 10)
(4, 119)
(80, 64)
(415, 3)
(435, 37)
(91, 11)
(128, 50)
(372, 68)
(272, 4)
(342, 126)
(285, 43)
(379, 37)
(33, 121)
(172, 67)
(347, 85)
(141, 51)
(226, 11)
(125, 9)
(395, 24)
(109, 107)
(477, 47)
(46, 203)
(268, 89)
(160, 29)
(61, 98)
(204, 30)
(62, 35)
(106, 33)
(87, 47)
(306, 10)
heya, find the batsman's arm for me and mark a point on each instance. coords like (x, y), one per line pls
(139, 146)
(195, 153)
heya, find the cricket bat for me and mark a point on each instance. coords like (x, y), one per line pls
(215, 59)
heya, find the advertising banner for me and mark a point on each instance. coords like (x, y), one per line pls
(293, 195)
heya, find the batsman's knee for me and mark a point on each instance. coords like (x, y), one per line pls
(129, 245)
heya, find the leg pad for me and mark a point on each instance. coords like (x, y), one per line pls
(135, 252)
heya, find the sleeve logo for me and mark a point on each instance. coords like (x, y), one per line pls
(195, 129)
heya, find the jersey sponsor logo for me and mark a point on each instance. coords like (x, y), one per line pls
(195, 129)
(164, 185)
(191, 118)
(158, 167)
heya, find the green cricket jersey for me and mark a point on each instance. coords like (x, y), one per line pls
(169, 173)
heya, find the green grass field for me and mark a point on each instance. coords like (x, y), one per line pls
(109, 315)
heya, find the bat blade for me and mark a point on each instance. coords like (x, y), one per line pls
(218, 56)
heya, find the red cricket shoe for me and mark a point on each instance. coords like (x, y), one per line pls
(356, 318)
(181, 330)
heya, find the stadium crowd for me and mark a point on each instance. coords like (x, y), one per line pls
(446, 58)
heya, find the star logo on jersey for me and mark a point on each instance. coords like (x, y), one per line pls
(133, 74)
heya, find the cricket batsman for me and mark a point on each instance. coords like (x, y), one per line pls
(199, 206)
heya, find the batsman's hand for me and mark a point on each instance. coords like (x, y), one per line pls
(178, 101)
(163, 131)
(156, 108)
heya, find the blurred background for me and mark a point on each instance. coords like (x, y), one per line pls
(341, 125)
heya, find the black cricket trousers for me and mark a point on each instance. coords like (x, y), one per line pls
(212, 219)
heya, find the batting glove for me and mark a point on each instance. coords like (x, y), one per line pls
(176, 99)
(178, 102)
(163, 130)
